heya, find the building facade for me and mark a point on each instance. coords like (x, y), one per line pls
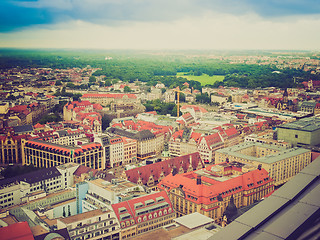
(281, 164)
(34, 185)
(143, 214)
(46, 154)
(97, 225)
(150, 175)
(303, 132)
(208, 191)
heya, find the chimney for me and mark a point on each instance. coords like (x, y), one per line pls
(259, 167)
(198, 180)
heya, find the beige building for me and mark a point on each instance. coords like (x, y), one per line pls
(108, 98)
(282, 164)
(45, 154)
(211, 190)
(96, 224)
(147, 142)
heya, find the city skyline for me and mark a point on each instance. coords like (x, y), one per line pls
(141, 24)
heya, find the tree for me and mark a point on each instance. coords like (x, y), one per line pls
(92, 79)
(76, 96)
(105, 121)
(127, 89)
(58, 83)
(107, 83)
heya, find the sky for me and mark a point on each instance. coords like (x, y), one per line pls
(161, 24)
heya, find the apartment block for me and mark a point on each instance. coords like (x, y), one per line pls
(143, 214)
(281, 163)
(46, 154)
(34, 185)
(210, 190)
(97, 225)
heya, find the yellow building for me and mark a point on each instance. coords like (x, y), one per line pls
(282, 164)
(10, 149)
(107, 98)
(46, 154)
(209, 190)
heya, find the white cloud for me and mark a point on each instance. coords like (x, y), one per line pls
(219, 31)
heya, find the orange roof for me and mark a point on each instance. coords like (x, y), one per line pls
(164, 167)
(132, 208)
(38, 125)
(17, 231)
(208, 193)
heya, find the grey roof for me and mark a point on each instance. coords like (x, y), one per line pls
(309, 124)
(141, 135)
(193, 220)
(62, 133)
(281, 154)
(33, 177)
(23, 129)
(291, 212)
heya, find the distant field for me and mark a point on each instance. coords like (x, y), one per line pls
(204, 79)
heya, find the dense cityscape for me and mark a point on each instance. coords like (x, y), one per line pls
(86, 155)
(139, 119)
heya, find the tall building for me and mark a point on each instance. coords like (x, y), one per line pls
(209, 190)
(96, 224)
(118, 150)
(146, 141)
(303, 132)
(34, 185)
(143, 214)
(281, 163)
(46, 154)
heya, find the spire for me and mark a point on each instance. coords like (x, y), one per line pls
(231, 210)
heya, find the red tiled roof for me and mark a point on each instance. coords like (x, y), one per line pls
(38, 125)
(19, 108)
(131, 208)
(16, 231)
(213, 139)
(84, 169)
(195, 108)
(204, 192)
(164, 167)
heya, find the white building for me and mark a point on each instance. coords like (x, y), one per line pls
(96, 224)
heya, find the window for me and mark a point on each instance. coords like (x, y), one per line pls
(296, 136)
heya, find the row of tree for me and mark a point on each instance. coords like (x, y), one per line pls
(131, 66)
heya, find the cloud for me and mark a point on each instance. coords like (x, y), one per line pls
(210, 31)
(15, 14)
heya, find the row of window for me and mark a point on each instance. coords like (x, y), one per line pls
(6, 195)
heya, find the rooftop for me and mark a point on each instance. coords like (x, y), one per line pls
(306, 124)
(117, 186)
(193, 220)
(280, 152)
(82, 216)
(291, 212)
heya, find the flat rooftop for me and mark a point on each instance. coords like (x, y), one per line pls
(306, 124)
(82, 216)
(193, 220)
(118, 187)
(281, 153)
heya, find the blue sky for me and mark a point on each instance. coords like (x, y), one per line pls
(158, 24)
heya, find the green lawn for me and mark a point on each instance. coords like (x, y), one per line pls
(204, 79)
